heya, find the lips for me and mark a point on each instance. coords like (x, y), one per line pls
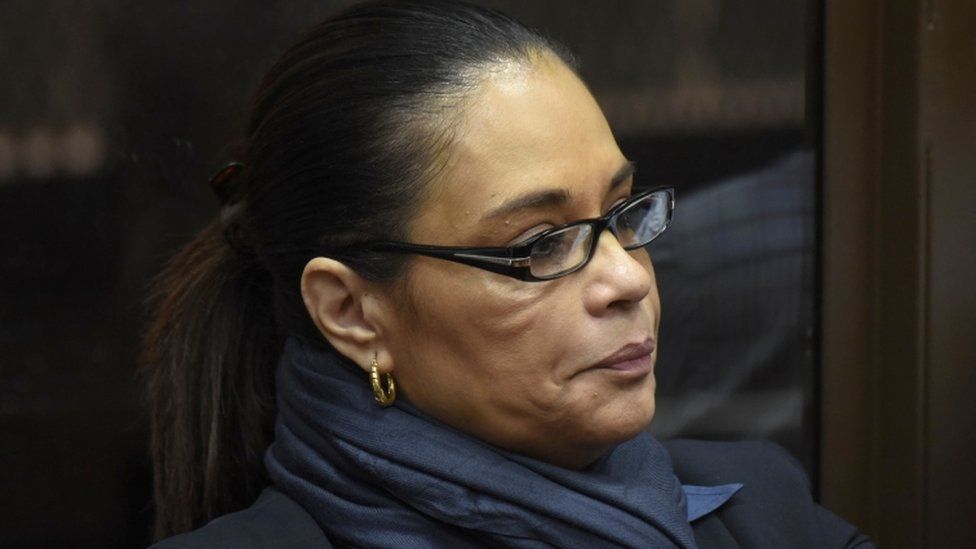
(633, 357)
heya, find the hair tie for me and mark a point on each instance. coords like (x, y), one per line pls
(222, 183)
(228, 192)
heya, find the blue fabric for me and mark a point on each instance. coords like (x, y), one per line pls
(394, 477)
(702, 500)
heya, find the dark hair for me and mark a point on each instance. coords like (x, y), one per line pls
(343, 137)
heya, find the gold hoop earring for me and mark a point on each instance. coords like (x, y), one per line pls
(384, 396)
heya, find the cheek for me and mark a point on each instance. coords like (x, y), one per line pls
(466, 327)
(517, 311)
(479, 309)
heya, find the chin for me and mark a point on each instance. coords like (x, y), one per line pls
(624, 419)
(634, 425)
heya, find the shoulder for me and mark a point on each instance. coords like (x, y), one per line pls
(774, 508)
(274, 520)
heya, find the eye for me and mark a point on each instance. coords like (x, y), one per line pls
(561, 250)
(529, 234)
(555, 245)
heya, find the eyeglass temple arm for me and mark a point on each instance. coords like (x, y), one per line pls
(496, 260)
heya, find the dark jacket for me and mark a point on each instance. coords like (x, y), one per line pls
(773, 509)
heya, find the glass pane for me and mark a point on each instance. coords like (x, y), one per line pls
(113, 120)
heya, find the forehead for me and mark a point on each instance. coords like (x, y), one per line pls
(527, 128)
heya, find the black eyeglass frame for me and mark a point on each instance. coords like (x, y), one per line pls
(514, 261)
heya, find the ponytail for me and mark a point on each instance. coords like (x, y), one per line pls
(208, 360)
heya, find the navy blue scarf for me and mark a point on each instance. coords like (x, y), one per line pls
(394, 477)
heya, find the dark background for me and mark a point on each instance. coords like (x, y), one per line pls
(113, 115)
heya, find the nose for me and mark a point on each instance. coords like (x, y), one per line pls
(616, 278)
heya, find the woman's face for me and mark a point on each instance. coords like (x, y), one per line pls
(556, 370)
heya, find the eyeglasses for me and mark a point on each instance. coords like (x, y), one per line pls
(561, 250)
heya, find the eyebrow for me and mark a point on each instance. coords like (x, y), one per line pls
(554, 197)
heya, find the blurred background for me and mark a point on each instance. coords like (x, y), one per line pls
(822, 156)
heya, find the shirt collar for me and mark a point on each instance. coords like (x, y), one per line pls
(702, 500)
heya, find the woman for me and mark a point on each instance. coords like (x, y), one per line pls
(426, 317)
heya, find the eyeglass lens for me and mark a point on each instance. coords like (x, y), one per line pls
(564, 250)
(560, 251)
(642, 221)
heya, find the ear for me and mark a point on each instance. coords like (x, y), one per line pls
(345, 312)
